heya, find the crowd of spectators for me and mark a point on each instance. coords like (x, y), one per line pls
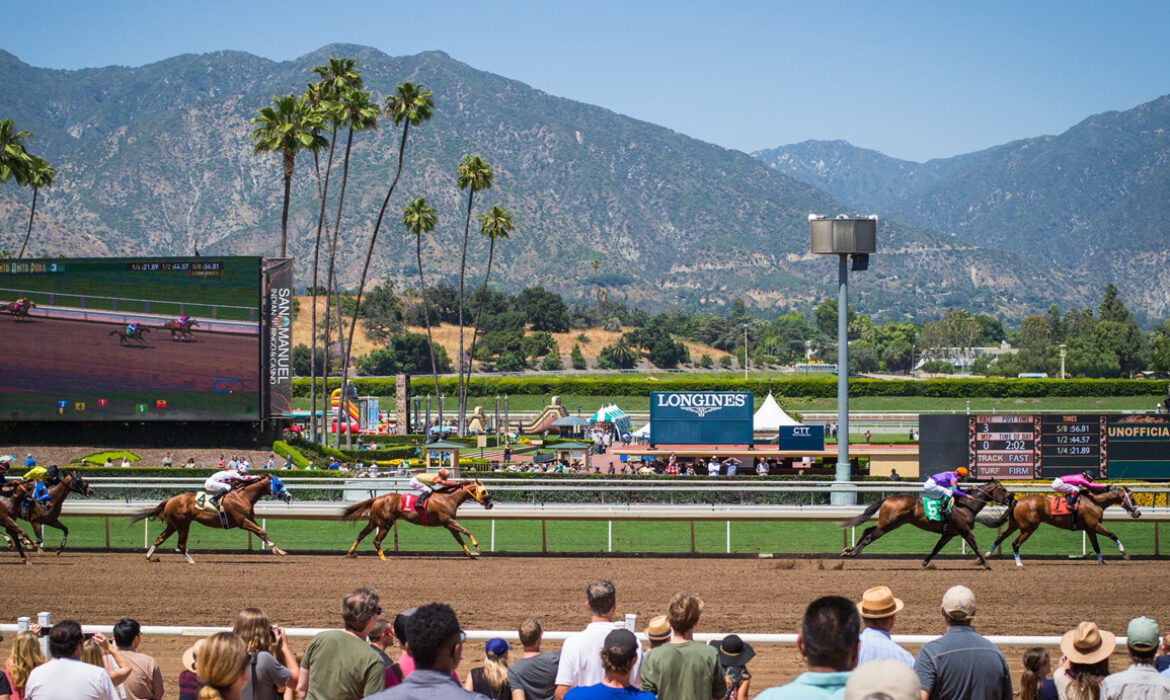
(846, 646)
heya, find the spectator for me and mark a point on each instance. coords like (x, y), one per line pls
(879, 609)
(884, 679)
(401, 620)
(1034, 682)
(99, 653)
(713, 466)
(125, 461)
(1163, 662)
(222, 666)
(580, 663)
(894, 475)
(1141, 679)
(491, 679)
(1087, 649)
(340, 665)
(868, 435)
(272, 664)
(684, 669)
(381, 639)
(25, 656)
(761, 468)
(145, 680)
(828, 640)
(167, 461)
(534, 676)
(188, 679)
(435, 643)
(109, 462)
(190, 462)
(658, 631)
(734, 653)
(65, 677)
(731, 466)
(30, 461)
(962, 664)
(618, 656)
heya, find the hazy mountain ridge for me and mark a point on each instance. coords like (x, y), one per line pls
(152, 158)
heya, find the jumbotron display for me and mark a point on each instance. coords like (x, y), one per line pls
(132, 339)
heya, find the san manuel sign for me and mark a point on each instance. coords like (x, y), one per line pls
(701, 417)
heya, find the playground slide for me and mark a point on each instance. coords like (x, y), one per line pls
(545, 420)
(354, 417)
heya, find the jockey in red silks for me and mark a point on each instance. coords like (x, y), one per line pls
(428, 484)
(1074, 484)
(222, 482)
(945, 485)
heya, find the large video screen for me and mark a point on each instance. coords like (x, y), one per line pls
(131, 339)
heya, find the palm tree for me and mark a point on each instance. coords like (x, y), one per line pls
(497, 223)
(474, 175)
(39, 175)
(360, 114)
(411, 104)
(14, 159)
(287, 127)
(418, 218)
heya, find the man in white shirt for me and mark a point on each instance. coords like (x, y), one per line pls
(713, 466)
(67, 677)
(580, 663)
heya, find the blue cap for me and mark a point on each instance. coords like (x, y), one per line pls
(496, 646)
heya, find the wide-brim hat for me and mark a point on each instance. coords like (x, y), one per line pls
(658, 630)
(190, 653)
(733, 651)
(879, 602)
(1088, 644)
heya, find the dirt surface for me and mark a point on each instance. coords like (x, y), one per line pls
(1044, 598)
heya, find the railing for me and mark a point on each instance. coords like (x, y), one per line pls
(131, 305)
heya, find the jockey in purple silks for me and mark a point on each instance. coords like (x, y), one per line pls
(945, 485)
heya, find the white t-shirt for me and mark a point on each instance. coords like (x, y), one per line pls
(713, 467)
(69, 679)
(581, 657)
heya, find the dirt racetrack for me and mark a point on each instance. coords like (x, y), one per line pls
(741, 595)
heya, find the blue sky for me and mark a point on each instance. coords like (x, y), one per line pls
(915, 80)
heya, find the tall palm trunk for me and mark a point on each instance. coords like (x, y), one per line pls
(324, 193)
(31, 214)
(479, 310)
(341, 403)
(370, 250)
(462, 275)
(426, 312)
(290, 161)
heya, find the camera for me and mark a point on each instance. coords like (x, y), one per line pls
(87, 636)
(44, 631)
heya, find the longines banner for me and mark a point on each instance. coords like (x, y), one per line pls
(701, 417)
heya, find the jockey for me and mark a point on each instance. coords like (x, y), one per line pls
(38, 475)
(182, 320)
(945, 485)
(1074, 484)
(224, 481)
(429, 483)
(132, 328)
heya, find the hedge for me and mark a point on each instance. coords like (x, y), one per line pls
(804, 387)
(282, 448)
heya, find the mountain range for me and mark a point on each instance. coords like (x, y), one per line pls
(1093, 200)
(157, 160)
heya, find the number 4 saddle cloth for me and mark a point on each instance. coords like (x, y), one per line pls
(203, 502)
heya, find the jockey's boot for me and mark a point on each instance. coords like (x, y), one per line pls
(422, 501)
(946, 506)
(1073, 500)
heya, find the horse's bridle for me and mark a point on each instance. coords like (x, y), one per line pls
(1127, 501)
(476, 490)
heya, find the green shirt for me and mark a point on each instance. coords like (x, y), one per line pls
(687, 671)
(342, 667)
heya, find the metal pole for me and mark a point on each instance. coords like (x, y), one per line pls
(609, 537)
(493, 548)
(745, 352)
(729, 537)
(441, 398)
(840, 498)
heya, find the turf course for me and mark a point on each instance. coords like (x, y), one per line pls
(592, 537)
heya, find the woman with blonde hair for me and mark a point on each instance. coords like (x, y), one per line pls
(98, 651)
(222, 665)
(26, 655)
(273, 665)
(492, 678)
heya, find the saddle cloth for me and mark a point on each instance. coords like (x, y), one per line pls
(203, 502)
(1059, 506)
(932, 508)
(410, 502)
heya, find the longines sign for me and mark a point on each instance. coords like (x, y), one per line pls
(701, 417)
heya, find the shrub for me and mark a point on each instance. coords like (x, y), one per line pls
(283, 449)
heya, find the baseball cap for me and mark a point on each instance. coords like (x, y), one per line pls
(496, 646)
(1143, 634)
(959, 603)
(623, 642)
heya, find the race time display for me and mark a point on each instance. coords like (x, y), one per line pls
(132, 339)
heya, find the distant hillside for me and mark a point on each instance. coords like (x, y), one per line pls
(157, 160)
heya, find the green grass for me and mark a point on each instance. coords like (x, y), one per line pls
(592, 537)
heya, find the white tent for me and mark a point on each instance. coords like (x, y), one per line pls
(771, 416)
(643, 432)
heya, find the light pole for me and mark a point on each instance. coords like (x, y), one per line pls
(1063, 351)
(848, 239)
(745, 351)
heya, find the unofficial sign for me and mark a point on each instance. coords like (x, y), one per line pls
(701, 417)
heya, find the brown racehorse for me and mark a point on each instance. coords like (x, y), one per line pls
(19, 310)
(178, 512)
(70, 483)
(181, 330)
(8, 509)
(902, 509)
(384, 510)
(1030, 511)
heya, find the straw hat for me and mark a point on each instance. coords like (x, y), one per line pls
(1088, 644)
(190, 653)
(658, 630)
(879, 602)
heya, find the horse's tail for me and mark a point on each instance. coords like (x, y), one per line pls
(865, 515)
(148, 513)
(994, 520)
(358, 510)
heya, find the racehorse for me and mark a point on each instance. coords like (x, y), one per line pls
(41, 516)
(383, 511)
(19, 310)
(8, 509)
(900, 509)
(124, 337)
(1030, 511)
(239, 508)
(181, 330)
